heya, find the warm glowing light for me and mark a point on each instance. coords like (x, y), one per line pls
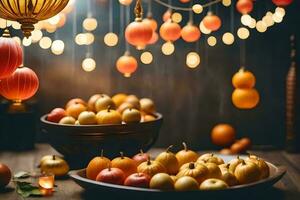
(125, 2)
(27, 41)
(51, 28)
(280, 12)
(193, 60)
(176, 17)
(111, 39)
(277, 18)
(212, 41)
(58, 47)
(16, 25)
(54, 20)
(81, 39)
(46, 182)
(90, 24)
(246, 19)
(36, 35)
(228, 38)
(268, 20)
(226, 2)
(2, 23)
(17, 39)
(168, 48)
(243, 33)
(45, 43)
(261, 26)
(252, 23)
(90, 38)
(197, 8)
(203, 29)
(146, 57)
(88, 64)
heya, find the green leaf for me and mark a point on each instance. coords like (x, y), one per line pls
(26, 189)
(21, 174)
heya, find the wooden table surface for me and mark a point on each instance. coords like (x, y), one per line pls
(287, 188)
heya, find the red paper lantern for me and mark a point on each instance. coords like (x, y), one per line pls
(170, 31)
(151, 22)
(190, 33)
(212, 22)
(154, 38)
(11, 55)
(282, 2)
(244, 6)
(127, 64)
(167, 15)
(21, 85)
(184, 1)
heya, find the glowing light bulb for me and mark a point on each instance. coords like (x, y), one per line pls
(90, 24)
(261, 26)
(280, 12)
(81, 39)
(252, 23)
(88, 64)
(243, 33)
(226, 2)
(16, 25)
(90, 38)
(212, 41)
(111, 39)
(168, 48)
(176, 17)
(54, 20)
(27, 41)
(45, 43)
(193, 60)
(277, 18)
(58, 47)
(228, 38)
(268, 20)
(146, 57)
(246, 20)
(2, 23)
(203, 29)
(36, 35)
(125, 2)
(197, 8)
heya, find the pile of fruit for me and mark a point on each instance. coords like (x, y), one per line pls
(184, 171)
(102, 109)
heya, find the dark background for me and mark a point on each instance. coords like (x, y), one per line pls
(191, 100)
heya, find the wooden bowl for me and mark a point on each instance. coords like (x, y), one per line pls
(79, 144)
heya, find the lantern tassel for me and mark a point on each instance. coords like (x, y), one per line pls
(138, 10)
(6, 33)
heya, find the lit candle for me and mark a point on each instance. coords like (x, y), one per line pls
(46, 183)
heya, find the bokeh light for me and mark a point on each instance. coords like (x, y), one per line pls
(193, 60)
(168, 48)
(212, 41)
(111, 39)
(45, 43)
(90, 24)
(146, 57)
(243, 33)
(228, 38)
(88, 64)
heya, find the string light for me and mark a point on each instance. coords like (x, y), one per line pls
(252, 23)
(197, 8)
(228, 38)
(261, 26)
(58, 47)
(88, 64)
(125, 2)
(26, 41)
(203, 29)
(111, 39)
(90, 38)
(226, 2)
(243, 33)
(90, 24)
(193, 60)
(168, 48)
(36, 35)
(176, 17)
(81, 39)
(246, 19)
(268, 20)
(2, 23)
(146, 57)
(280, 12)
(277, 18)
(45, 43)
(212, 41)
(54, 20)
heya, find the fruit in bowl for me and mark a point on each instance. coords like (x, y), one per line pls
(56, 115)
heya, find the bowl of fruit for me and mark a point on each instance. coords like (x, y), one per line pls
(121, 123)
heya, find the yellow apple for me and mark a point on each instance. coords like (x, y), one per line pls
(131, 115)
(68, 120)
(103, 103)
(87, 118)
(147, 106)
(213, 184)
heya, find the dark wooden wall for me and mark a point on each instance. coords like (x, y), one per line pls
(191, 100)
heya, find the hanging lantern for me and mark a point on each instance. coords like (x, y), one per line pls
(21, 85)
(212, 22)
(154, 38)
(127, 64)
(282, 3)
(184, 1)
(29, 12)
(190, 33)
(138, 33)
(11, 55)
(244, 6)
(170, 31)
(125, 2)
(151, 22)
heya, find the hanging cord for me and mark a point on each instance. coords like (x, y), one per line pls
(149, 13)
(191, 15)
(122, 20)
(231, 18)
(111, 16)
(243, 53)
(89, 10)
(168, 5)
(127, 47)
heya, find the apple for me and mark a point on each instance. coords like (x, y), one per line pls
(247, 172)
(131, 115)
(75, 101)
(87, 118)
(111, 175)
(138, 180)
(213, 184)
(91, 102)
(103, 103)
(68, 120)
(141, 157)
(132, 99)
(162, 181)
(147, 106)
(118, 99)
(213, 170)
(5, 175)
(109, 116)
(125, 106)
(186, 183)
(75, 109)
(148, 118)
(56, 115)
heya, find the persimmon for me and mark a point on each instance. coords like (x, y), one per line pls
(126, 164)
(151, 167)
(169, 161)
(109, 116)
(247, 172)
(75, 109)
(196, 170)
(262, 165)
(141, 157)
(245, 98)
(186, 156)
(243, 79)
(223, 135)
(96, 165)
(111, 175)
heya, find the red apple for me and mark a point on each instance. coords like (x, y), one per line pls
(5, 175)
(56, 115)
(141, 157)
(111, 175)
(138, 180)
(76, 101)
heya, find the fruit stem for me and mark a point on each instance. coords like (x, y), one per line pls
(53, 157)
(122, 155)
(192, 165)
(243, 162)
(141, 152)
(108, 108)
(168, 149)
(102, 152)
(185, 146)
(109, 167)
(148, 161)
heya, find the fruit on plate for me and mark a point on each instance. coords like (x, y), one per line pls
(131, 115)
(247, 172)
(87, 118)
(234, 163)
(169, 161)
(210, 158)
(125, 106)
(213, 170)
(127, 165)
(243, 79)
(103, 103)
(151, 168)
(5, 175)
(147, 106)
(186, 156)
(148, 118)
(68, 120)
(75, 101)
(109, 116)
(262, 165)
(132, 99)
(227, 176)
(162, 181)
(96, 165)
(58, 167)
(91, 102)
(213, 184)
(223, 135)
(196, 170)
(75, 109)
(56, 115)
(141, 180)
(111, 175)
(186, 183)
(141, 157)
(119, 98)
